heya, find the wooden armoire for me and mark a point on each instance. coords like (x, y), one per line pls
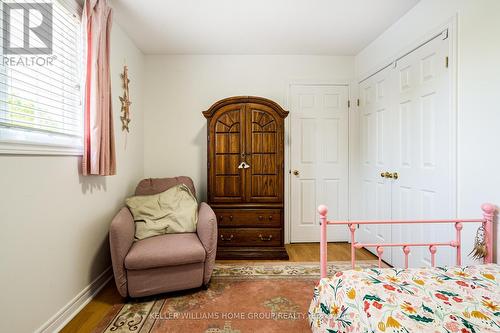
(246, 176)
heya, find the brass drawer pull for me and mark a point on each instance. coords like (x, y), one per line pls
(261, 217)
(222, 217)
(226, 239)
(270, 217)
(262, 238)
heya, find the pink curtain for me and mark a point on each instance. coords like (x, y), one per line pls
(99, 142)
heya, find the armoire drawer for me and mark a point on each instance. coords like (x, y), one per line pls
(248, 217)
(249, 237)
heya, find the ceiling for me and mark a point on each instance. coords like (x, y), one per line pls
(323, 27)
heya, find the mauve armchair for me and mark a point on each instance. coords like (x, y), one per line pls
(162, 263)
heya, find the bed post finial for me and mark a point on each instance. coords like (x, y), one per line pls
(380, 251)
(488, 215)
(323, 210)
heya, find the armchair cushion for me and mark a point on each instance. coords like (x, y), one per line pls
(172, 211)
(165, 250)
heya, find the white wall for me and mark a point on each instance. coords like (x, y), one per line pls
(179, 88)
(53, 241)
(478, 90)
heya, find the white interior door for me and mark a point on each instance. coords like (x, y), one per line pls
(376, 120)
(423, 152)
(319, 159)
(407, 127)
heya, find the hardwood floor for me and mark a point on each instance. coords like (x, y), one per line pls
(92, 314)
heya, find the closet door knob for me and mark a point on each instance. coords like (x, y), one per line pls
(296, 172)
(395, 175)
(388, 175)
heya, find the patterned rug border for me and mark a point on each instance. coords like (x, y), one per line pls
(283, 270)
(285, 262)
(135, 313)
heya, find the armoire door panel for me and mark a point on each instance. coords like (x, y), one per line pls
(226, 180)
(227, 187)
(264, 147)
(227, 143)
(264, 164)
(264, 187)
(227, 164)
(263, 143)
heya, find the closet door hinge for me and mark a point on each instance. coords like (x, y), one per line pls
(446, 61)
(357, 102)
(208, 164)
(348, 103)
(208, 138)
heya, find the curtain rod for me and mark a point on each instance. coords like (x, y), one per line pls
(443, 33)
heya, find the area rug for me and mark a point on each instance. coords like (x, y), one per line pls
(250, 297)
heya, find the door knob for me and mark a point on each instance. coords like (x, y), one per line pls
(296, 172)
(393, 175)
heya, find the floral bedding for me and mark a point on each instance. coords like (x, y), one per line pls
(457, 299)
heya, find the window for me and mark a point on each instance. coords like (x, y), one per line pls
(40, 77)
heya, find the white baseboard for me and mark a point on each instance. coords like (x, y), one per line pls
(63, 316)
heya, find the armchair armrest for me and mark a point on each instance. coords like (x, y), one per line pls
(207, 233)
(121, 238)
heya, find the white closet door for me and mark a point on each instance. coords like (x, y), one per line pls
(319, 159)
(376, 142)
(423, 153)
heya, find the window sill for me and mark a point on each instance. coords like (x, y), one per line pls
(11, 148)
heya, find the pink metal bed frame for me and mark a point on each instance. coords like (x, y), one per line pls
(487, 221)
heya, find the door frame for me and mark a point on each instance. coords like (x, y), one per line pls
(352, 132)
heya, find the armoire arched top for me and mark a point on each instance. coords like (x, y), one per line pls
(245, 99)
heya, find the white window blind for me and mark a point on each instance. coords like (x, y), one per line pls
(40, 76)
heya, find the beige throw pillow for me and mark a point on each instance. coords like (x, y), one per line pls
(172, 211)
